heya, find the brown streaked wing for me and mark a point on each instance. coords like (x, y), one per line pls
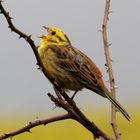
(78, 64)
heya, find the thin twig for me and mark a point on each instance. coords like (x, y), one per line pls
(109, 65)
(27, 128)
(26, 37)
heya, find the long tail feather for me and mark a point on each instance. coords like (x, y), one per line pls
(117, 105)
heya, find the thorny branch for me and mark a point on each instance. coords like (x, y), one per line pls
(27, 128)
(109, 66)
(81, 118)
(62, 99)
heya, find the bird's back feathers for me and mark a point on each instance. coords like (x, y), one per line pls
(73, 70)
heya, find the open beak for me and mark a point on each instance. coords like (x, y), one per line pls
(45, 27)
(41, 36)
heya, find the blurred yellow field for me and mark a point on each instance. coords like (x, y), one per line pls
(70, 129)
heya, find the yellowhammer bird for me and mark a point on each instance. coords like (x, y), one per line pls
(70, 68)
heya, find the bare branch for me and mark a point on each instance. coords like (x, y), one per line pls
(27, 128)
(26, 37)
(79, 116)
(109, 65)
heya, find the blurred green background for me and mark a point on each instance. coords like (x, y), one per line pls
(23, 88)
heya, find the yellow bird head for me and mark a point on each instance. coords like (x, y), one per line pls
(55, 36)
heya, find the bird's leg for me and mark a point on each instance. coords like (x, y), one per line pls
(72, 97)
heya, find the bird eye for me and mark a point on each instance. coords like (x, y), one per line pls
(53, 33)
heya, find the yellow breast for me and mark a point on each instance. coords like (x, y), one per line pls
(61, 76)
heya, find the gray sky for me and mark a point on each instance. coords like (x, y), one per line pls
(24, 88)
